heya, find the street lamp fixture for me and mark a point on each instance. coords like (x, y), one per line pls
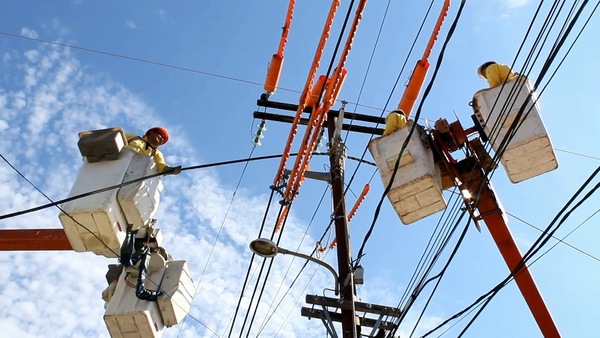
(267, 248)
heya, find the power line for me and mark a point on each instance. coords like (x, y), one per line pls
(536, 247)
(560, 240)
(417, 114)
(267, 317)
(116, 186)
(567, 235)
(87, 229)
(578, 154)
(542, 240)
(58, 206)
(389, 98)
(158, 63)
(132, 58)
(514, 127)
(219, 234)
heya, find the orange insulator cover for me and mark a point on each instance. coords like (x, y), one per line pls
(316, 91)
(273, 73)
(414, 87)
(338, 86)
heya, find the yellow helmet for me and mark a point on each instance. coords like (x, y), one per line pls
(481, 69)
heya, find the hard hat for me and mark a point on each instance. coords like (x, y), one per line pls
(399, 111)
(163, 133)
(481, 69)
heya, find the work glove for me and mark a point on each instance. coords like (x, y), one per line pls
(172, 170)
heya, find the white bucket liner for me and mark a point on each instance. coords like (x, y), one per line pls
(97, 223)
(179, 289)
(139, 201)
(127, 316)
(530, 151)
(416, 191)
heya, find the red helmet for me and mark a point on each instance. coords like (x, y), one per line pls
(163, 133)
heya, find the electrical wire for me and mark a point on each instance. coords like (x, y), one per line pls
(560, 240)
(405, 144)
(219, 232)
(246, 279)
(566, 29)
(158, 63)
(495, 128)
(184, 169)
(578, 154)
(389, 98)
(302, 269)
(513, 130)
(429, 258)
(528, 255)
(264, 281)
(116, 186)
(271, 310)
(537, 245)
(440, 275)
(367, 71)
(330, 67)
(132, 58)
(96, 236)
(440, 237)
(59, 207)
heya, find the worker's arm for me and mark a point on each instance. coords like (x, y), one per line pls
(394, 121)
(159, 159)
(497, 74)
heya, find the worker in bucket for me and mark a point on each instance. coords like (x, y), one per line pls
(148, 145)
(395, 120)
(495, 73)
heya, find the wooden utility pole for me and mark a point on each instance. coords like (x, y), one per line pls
(344, 253)
(346, 310)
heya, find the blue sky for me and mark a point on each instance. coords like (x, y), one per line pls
(213, 57)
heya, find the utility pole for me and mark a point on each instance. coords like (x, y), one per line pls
(346, 310)
(344, 254)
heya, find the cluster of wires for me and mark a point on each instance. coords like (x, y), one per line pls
(450, 221)
(549, 22)
(296, 177)
(416, 117)
(444, 230)
(57, 204)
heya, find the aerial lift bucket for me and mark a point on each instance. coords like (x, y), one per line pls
(416, 190)
(97, 223)
(529, 153)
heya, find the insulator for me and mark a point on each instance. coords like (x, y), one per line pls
(259, 133)
(321, 142)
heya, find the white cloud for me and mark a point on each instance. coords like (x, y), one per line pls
(40, 118)
(32, 55)
(30, 33)
(6, 57)
(516, 3)
(129, 23)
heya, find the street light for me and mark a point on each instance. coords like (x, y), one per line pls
(267, 248)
